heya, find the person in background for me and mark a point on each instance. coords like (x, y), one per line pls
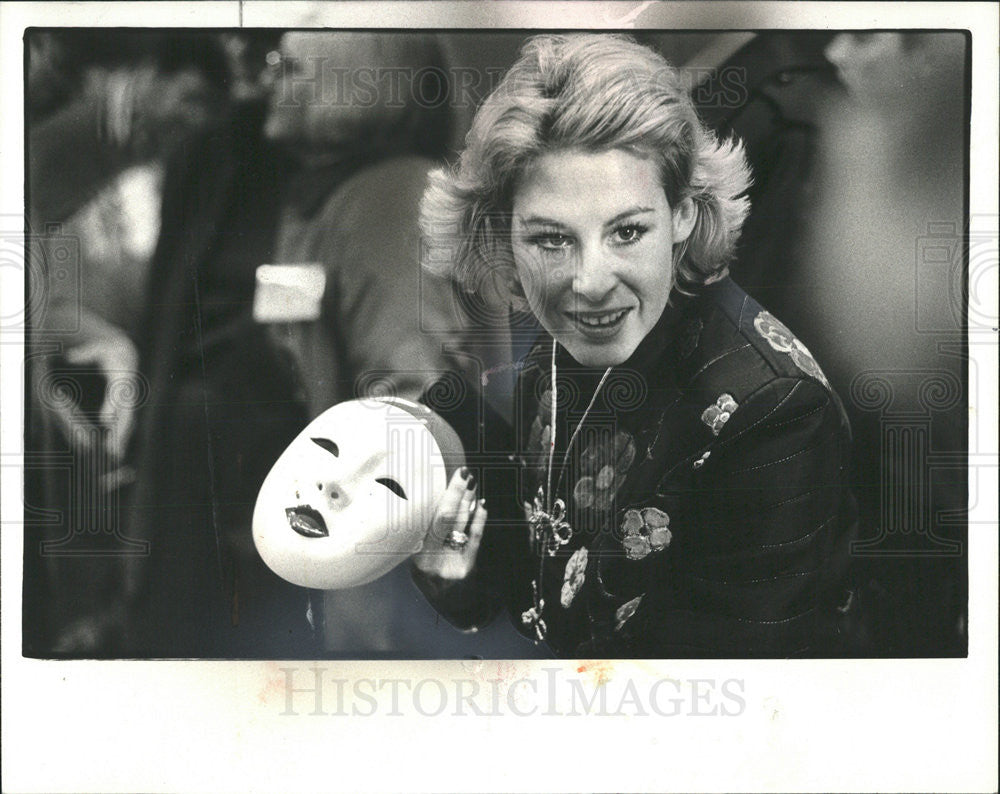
(359, 161)
(841, 129)
(103, 117)
(220, 405)
(317, 174)
(892, 158)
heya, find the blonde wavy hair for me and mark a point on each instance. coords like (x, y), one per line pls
(593, 92)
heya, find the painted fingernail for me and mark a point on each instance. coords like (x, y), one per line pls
(471, 484)
(463, 472)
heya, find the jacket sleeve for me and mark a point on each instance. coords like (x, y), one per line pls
(391, 317)
(473, 602)
(761, 535)
(487, 439)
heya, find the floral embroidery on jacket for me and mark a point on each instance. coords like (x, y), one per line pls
(715, 416)
(626, 610)
(574, 576)
(605, 466)
(782, 340)
(644, 531)
(548, 530)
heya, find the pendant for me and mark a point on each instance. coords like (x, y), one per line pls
(550, 530)
(533, 617)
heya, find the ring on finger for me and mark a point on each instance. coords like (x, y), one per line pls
(456, 539)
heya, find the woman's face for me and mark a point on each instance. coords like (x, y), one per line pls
(593, 237)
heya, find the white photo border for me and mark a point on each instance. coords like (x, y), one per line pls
(866, 725)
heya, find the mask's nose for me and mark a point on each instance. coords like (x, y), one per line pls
(332, 493)
(316, 491)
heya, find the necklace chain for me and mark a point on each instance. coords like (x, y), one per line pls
(550, 530)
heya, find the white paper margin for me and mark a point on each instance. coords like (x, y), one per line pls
(867, 725)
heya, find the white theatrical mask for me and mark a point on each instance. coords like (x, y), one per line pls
(354, 494)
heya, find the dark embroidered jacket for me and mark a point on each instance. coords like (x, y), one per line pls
(706, 494)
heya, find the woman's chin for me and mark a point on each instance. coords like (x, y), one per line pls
(603, 354)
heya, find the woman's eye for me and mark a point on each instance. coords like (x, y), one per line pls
(392, 485)
(552, 241)
(629, 233)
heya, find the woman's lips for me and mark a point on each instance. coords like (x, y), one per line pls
(306, 521)
(599, 325)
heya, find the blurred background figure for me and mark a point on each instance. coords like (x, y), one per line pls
(359, 147)
(885, 246)
(246, 53)
(857, 145)
(317, 174)
(104, 113)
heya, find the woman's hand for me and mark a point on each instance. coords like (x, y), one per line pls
(452, 542)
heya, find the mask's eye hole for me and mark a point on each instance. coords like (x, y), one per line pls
(328, 445)
(392, 485)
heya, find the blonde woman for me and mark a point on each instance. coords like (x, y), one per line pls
(684, 458)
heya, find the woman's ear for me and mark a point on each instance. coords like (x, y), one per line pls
(684, 215)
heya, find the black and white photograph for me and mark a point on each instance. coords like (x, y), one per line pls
(457, 360)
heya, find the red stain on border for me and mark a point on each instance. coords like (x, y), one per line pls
(274, 684)
(600, 671)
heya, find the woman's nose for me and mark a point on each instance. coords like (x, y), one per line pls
(593, 278)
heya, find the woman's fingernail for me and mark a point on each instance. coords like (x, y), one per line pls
(463, 472)
(471, 484)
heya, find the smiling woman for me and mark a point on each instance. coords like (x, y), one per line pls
(684, 459)
(592, 237)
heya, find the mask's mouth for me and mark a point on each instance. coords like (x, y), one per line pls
(306, 521)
